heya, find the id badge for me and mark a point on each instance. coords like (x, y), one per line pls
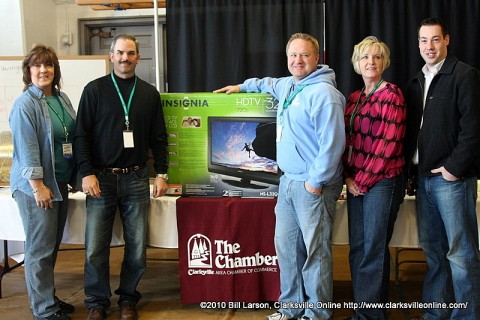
(128, 139)
(279, 132)
(67, 149)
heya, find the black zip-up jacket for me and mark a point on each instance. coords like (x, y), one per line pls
(450, 134)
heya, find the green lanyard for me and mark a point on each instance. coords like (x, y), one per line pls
(357, 108)
(290, 98)
(126, 107)
(62, 119)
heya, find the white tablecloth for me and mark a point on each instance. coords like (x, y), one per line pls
(162, 222)
(405, 232)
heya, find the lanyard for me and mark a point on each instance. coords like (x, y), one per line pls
(126, 107)
(62, 119)
(357, 108)
(290, 98)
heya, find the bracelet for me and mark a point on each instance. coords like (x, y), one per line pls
(35, 191)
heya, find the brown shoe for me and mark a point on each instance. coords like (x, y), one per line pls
(96, 313)
(128, 311)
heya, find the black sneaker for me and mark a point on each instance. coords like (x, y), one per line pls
(59, 315)
(65, 307)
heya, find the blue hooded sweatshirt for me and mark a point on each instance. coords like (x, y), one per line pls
(310, 128)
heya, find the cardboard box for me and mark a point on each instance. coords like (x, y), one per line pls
(221, 145)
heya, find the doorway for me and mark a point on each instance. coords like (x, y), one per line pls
(96, 36)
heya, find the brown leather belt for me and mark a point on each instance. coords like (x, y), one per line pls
(122, 170)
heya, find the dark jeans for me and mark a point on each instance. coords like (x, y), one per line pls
(371, 219)
(448, 234)
(130, 194)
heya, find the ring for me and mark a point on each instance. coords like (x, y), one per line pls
(87, 192)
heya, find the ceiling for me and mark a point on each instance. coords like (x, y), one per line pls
(161, 3)
(114, 4)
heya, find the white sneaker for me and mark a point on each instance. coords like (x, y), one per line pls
(279, 316)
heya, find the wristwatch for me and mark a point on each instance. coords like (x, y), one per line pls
(162, 175)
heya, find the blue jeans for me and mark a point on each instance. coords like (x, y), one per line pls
(303, 237)
(448, 234)
(130, 194)
(371, 219)
(44, 232)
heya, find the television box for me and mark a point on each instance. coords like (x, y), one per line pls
(221, 145)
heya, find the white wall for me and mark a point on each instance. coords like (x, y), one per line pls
(11, 31)
(25, 22)
(68, 15)
(39, 22)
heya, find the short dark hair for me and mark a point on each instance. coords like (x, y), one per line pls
(435, 21)
(39, 54)
(124, 36)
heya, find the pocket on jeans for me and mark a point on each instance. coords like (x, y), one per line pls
(141, 174)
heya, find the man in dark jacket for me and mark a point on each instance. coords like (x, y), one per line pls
(442, 143)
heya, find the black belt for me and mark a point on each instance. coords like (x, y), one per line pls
(122, 170)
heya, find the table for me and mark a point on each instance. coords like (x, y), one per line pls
(226, 249)
(224, 245)
(228, 217)
(405, 231)
(162, 222)
(161, 232)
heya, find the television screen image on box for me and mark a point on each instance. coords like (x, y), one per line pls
(243, 147)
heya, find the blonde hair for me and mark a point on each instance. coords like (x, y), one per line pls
(306, 37)
(366, 43)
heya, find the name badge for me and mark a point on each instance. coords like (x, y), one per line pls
(67, 150)
(279, 132)
(128, 139)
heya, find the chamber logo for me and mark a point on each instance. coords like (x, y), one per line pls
(199, 251)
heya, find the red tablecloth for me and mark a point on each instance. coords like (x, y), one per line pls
(226, 250)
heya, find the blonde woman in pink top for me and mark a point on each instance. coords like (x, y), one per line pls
(373, 164)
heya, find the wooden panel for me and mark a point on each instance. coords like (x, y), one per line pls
(125, 6)
(161, 3)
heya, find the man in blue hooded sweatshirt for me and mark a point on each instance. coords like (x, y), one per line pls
(310, 143)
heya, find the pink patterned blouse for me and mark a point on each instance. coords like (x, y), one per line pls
(375, 143)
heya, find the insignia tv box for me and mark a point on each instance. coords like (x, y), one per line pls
(221, 145)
